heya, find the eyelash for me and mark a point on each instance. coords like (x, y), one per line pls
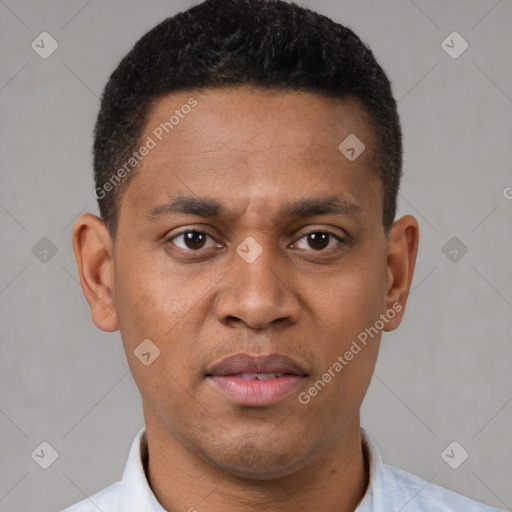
(341, 241)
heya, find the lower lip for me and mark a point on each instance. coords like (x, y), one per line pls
(256, 393)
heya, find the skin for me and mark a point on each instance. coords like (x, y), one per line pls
(253, 151)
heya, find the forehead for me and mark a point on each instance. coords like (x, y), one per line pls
(250, 144)
(243, 114)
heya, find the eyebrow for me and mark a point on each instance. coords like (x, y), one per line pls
(210, 208)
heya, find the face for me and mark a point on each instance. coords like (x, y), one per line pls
(250, 251)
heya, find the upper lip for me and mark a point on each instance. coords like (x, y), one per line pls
(245, 363)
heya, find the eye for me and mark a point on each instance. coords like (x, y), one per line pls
(192, 240)
(320, 240)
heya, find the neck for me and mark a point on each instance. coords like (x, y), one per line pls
(335, 481)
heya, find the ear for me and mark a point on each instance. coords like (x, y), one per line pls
(402, 249)
(93, 253)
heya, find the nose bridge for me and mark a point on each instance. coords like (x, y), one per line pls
(258, 268)
(255, 292)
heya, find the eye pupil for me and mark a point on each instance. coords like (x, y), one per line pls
(194, 239)
(315, 238)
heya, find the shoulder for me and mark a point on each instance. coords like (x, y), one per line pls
(418, 495)
(105, 500)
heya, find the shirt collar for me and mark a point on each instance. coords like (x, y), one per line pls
(372, 499)
(136, 494)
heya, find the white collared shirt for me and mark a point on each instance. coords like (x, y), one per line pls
(390, 489)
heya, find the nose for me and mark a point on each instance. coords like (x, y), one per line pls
(257, 294)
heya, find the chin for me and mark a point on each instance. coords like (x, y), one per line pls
(257, 460)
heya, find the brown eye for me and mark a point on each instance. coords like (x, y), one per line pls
(190, 240)
(320, 240)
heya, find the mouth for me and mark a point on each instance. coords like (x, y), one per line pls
(256, 381)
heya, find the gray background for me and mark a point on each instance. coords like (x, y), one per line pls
(443, 376)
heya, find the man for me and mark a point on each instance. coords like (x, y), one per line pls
(247, 160)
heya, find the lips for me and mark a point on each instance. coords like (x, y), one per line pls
(256, 381)
(247, 364)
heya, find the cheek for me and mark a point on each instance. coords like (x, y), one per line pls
(151, 318)
(160, 304)
(348, 309)
(150, 300)
(353, 300)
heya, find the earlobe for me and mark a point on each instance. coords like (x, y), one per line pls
(92, 246)
(402, 250)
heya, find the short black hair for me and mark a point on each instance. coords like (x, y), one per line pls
(225, 43)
